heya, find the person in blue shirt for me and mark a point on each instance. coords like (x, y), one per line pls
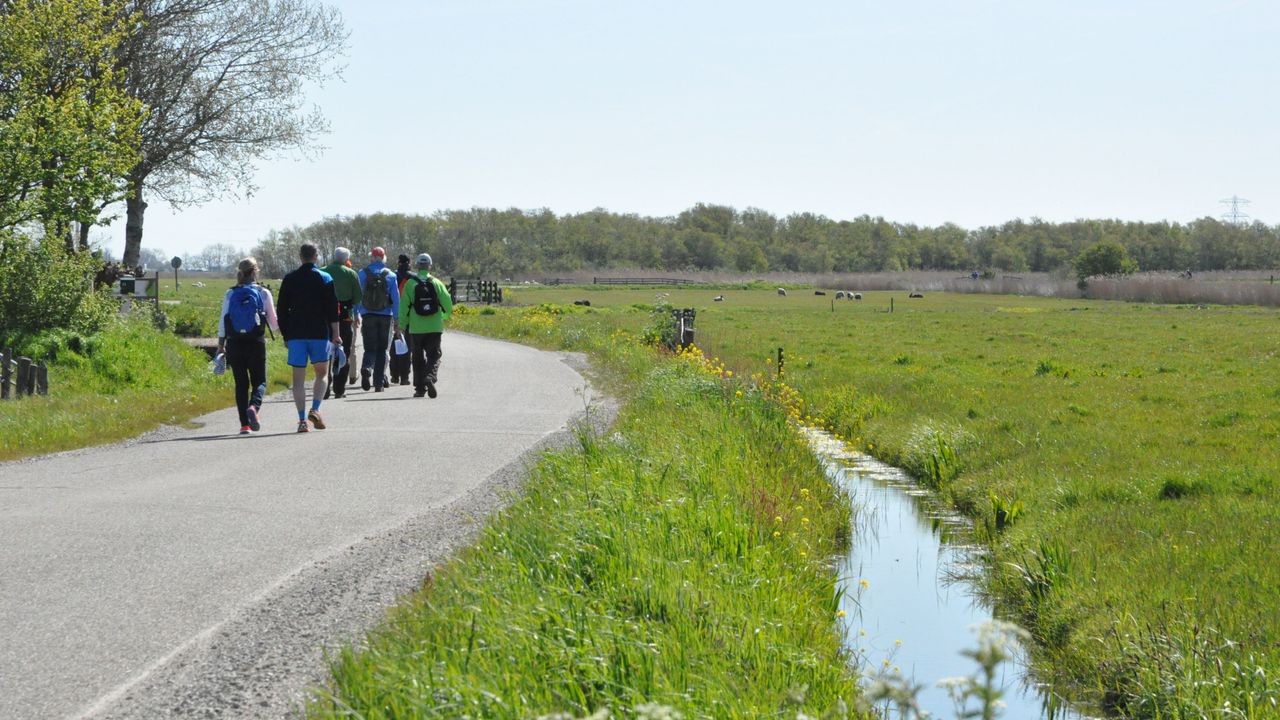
(379, 311)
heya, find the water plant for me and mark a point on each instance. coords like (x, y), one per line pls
(1004, 513)
(1047, 567)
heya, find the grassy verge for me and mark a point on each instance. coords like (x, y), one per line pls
(125, 380)
(676, 565)
(1121, 457)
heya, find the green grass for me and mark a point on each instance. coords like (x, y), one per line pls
(1137, 441)
(677, 563)
(114, 385)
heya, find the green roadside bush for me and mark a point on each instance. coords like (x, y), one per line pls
(43, 287)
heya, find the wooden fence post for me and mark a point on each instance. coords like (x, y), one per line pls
(24, 376)
(781, 360)
(42, 379)
(6, 373)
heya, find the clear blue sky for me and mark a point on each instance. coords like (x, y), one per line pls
(922, 111)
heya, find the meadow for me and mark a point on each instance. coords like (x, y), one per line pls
(1119, 457)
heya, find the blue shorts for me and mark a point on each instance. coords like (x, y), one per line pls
(300, 351)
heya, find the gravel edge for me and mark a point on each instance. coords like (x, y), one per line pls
(265, 661)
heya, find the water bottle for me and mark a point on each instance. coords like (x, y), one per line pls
(220, 364)
(339, 357)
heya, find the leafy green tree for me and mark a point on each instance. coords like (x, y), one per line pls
(68, 130)
(1106, 257)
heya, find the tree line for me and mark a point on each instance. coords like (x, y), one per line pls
(504, 243)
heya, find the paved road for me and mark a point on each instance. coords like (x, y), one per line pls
(131, 573)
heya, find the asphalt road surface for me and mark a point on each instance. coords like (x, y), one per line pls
(197, 573)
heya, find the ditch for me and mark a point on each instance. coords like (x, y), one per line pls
(910, 600)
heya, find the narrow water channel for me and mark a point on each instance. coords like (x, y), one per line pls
(907, 599)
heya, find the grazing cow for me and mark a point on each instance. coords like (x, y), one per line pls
(840, 295)
(586, 303)
(916, 295)
(818, 292)
(857, 296)
(782, 292)
(719, 298)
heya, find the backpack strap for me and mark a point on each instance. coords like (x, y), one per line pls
(262, 308)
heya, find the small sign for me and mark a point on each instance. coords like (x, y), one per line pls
(176, 262)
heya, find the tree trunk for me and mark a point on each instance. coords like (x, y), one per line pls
(134, 209)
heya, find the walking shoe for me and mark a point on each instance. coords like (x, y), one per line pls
(254, 424)
(314, 417)
(244, 430)
(419, 392)
(303, 426)
(340, 395)
(378, 389)
(431, 389)
(404, 381)
(364, 379)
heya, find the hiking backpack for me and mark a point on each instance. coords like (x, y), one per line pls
(376, 296)
(245, 315)
(425, 300)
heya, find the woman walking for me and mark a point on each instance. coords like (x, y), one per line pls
(247, 311)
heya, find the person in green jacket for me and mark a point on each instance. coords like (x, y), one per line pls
(346, 285)
(424, 308)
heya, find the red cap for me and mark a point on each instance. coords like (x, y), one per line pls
(378, 252)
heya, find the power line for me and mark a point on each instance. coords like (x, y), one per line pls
(1235, 215)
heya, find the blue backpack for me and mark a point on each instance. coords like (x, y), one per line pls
(245, 315)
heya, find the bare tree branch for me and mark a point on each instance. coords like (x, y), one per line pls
(224, 81)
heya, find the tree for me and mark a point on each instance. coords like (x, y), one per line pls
(1105, 257)
(152, 259)
(218, 256)
(223, 83)
(68, 131)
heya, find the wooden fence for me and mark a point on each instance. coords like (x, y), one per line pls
(642, 281)
(474, 290)
(20, 376)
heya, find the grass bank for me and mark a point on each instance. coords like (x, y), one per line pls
(675, 565)
(1121, 457)
(116, 384)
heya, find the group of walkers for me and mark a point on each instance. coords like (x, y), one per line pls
(318, 313)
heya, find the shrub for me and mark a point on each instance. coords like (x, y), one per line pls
(43, 286)
(189, 321)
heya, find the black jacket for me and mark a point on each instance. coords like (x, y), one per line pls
(307, 304)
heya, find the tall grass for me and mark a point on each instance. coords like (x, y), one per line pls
(676, 566)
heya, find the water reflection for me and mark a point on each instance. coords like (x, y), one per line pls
(909, 599)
